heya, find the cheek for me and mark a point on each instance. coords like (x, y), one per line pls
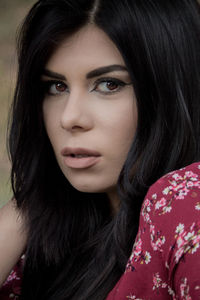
(122, 125)
(128, 119)
(125, 132)
(121, 113)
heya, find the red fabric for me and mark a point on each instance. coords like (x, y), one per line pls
(11, 289)
(165, 261)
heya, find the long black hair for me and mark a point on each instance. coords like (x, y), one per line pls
(76, 249)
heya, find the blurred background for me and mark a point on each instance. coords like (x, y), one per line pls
(12, 13)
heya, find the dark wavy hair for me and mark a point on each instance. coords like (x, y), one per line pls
(76, 249)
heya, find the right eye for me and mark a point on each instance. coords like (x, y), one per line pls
(55, 87)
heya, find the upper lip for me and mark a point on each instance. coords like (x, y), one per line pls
(79, 151)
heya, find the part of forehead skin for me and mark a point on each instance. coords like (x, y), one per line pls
(89, 47)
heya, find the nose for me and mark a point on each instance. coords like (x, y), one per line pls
(76, 115)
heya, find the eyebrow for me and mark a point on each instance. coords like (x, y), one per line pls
(91, 74)
(53, 74)
(104, 70)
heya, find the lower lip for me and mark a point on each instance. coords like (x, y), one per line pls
(81, 163)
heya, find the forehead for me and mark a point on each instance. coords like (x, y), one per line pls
(90, 47)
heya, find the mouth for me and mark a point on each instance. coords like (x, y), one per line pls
(80, 158)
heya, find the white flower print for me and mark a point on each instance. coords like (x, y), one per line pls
(190, 184)
(166, 190)
(158, 282)
(176, 177)
(147, 257)
(167, 209)
(146, 210)
(160, 203)
(11, 277)
(167, 265)
(174, 183)
(189, 236)
(179, 254)
(191, 175)
(154, 196)
(170, 291)
(133, 297)
(197, 207)
(180, 186)
(194, 248)
(187, 241)
(138, 247)
(179, 228)
(184, 289)
(156, 239)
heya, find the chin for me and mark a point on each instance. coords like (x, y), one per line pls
(90, 187)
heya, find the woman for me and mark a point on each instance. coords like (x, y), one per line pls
(106, 103)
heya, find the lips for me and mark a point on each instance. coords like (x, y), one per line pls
(79, 158)
(79, 151)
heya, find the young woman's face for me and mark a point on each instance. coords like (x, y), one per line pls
(89, 110)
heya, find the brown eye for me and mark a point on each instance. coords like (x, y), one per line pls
(60, 87)
(111, 85)
(108, 86)
(55, 87)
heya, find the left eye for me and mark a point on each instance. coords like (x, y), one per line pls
(109, 85)
(55, 87)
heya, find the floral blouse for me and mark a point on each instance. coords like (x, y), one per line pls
(165, 260)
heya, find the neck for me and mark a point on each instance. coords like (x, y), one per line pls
(114, 201)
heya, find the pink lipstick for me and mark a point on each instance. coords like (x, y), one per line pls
(80, 158)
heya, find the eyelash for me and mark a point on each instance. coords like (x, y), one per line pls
(119, 83)
(47, 84)
(114, 81)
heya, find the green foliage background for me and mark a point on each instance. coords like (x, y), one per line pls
(12, 13)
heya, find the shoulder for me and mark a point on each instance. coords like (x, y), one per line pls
(175, 192)
(171, 208)
(183, 176)
(167, 246)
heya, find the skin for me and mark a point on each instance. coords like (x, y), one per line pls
(79, 112)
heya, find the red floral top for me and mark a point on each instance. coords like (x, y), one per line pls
(165, 260)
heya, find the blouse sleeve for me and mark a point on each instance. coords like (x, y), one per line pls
(165, 259)
(175, 227)
(11, 288)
